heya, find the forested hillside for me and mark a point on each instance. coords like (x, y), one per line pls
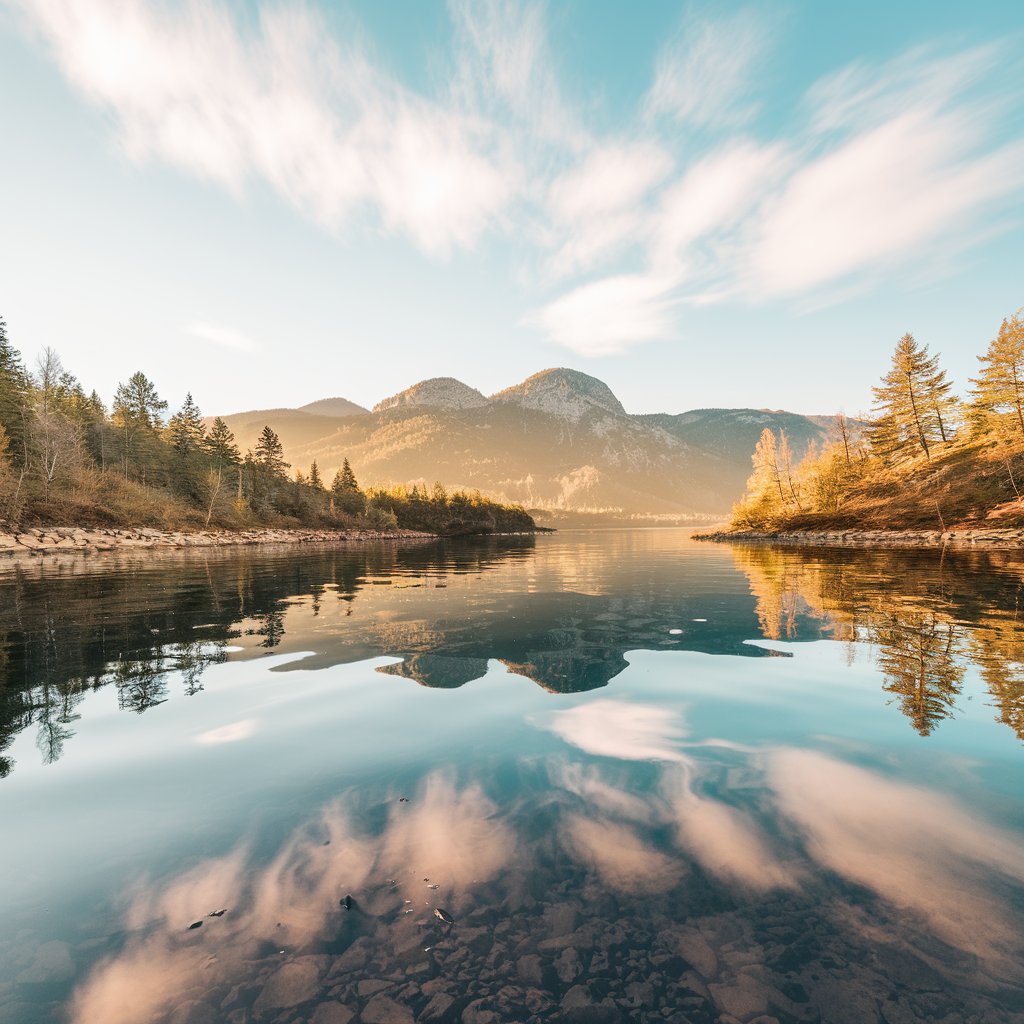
(927, 458)
(65, 459)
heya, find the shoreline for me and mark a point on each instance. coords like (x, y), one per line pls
(56, 540)
(961, 540)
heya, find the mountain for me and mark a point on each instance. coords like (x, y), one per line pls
(436, 393)
(567, 394)
(332, 407)
(559, 441)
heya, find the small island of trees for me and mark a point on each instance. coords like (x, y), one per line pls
(66, 459)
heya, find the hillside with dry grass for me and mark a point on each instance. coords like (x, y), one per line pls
(928, 460)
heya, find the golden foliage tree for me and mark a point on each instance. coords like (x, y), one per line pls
(998, 393)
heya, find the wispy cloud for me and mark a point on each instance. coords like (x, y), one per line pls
(279, 99)
(618, 228)
(608, 315)
(223, 336)
(598, 205)
(893, 166)
(706, 75)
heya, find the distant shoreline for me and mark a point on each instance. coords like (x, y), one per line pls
(965, 539)
(65, 539)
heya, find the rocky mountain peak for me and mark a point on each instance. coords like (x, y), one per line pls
(562, 392)
(438, 393)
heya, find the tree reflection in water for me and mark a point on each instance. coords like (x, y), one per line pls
(927, 617)
(561, 613)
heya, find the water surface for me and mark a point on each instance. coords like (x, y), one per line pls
(648, 779)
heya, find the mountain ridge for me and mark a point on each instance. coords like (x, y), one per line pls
(560, 440)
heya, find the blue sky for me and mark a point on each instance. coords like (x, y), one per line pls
(701, 204)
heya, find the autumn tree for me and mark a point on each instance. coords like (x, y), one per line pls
(998, 392)
(921, 658)
(914, 403)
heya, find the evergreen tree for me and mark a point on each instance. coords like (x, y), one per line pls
(220, 446)
(186, 430)
(999, 388)
(137, 402)
(345, 491)
(914, 403)
(14, 398)
(315, 480)
(268, 454)
(137, 415)
(348, 478)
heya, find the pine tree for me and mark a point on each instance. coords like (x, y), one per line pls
(136, 414)
(136, 401)
(269, 453)
(345, 491)
(914, 403)
(999, 388)
(220, 446)
(14, 398)
(315, 480)
(186, 430)
(348, 478)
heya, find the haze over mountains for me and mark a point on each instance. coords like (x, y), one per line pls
(560, 441)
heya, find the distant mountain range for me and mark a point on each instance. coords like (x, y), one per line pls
(559, 442)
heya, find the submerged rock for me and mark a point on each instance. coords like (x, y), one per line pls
(291, 984)
(331, 1013)
(382, 1009)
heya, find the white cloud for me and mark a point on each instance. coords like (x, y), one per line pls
(610, 314)
(283, 101)
(877, 200)
(223, 336)
(893, 165)
(714, 195)
(918, 849)
(706, 74)
(232, 733)
(505, 68)
(598, 204)
(615, 728)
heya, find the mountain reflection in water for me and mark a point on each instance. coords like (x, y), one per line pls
(737, 825)
(560, 614)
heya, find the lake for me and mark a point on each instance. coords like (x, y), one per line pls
(588, 776)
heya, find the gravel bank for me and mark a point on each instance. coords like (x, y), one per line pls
(56, 540)
(988, 538)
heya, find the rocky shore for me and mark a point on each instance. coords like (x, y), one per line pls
(959, 539)
(61, 539)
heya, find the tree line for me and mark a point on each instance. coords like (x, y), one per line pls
(966, 452)
(66, 458)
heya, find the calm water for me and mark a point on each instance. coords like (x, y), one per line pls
(648, 779)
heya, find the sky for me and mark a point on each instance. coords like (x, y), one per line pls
(702, 204)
